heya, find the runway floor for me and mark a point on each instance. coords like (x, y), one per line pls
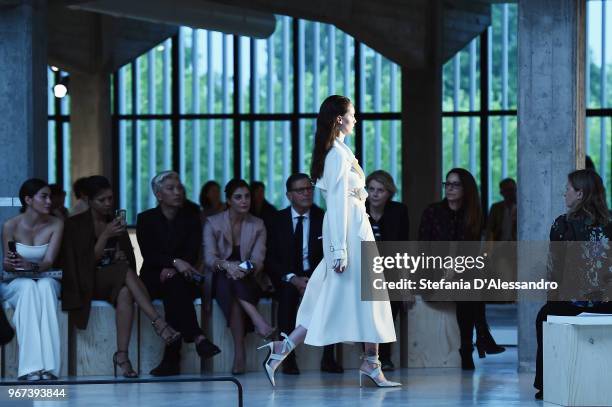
(494, 383)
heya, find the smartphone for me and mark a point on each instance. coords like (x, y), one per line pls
(122, 215)
(11, 246)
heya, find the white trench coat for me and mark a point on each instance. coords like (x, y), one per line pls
(332, 309)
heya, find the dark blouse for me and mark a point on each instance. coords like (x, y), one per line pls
(235, 256)
(581, 269)
(393, 225)
(440, 223)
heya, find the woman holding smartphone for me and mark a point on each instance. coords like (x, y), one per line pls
(31, 242)
(99, 264)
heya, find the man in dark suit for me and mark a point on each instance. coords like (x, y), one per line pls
(295, 248)
(170, 237)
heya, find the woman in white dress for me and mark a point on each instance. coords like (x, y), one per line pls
(331, 310)
(37, 236)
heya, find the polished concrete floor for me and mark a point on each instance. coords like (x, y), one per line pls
(494, 383)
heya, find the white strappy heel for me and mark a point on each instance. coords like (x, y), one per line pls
(288, 346)
(373, 375)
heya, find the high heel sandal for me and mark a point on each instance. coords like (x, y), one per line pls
(375, 373)
(128, 372)
(288, 346)
(159, 330)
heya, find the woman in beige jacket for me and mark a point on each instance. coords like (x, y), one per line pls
(231, 239)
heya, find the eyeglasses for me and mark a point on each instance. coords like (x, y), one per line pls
(453, 185)
(302, 191)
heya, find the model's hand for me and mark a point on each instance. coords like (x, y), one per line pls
(340, 265)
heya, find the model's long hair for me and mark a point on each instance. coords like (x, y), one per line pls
(327, 131)
(593, 202)
(472, 210)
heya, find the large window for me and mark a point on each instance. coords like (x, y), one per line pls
(475, 123)
(479, 104)
(599, 88)
(214, 106)
(58, 132)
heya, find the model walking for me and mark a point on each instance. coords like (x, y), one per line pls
(331, 310)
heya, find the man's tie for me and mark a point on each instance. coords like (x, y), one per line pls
(299, 243)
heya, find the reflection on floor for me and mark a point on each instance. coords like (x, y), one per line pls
(502, 319)
(494, 383)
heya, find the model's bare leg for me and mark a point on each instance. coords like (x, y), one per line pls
(297, 337)
(371, 366)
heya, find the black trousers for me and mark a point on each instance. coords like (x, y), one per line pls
(469, 315)
(558, 308)
(384, 349)
(288, 298)
(177, 295)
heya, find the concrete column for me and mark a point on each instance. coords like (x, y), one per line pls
(422, 125)
(23, 97)
(422, 141)
(90, 125)
(551, 115)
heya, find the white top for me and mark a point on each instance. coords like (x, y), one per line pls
(33, 254)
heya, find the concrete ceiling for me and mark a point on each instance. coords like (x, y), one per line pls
(88, 42)
(191, 13)
(401, 30)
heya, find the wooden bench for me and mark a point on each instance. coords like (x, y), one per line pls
(433, 335)
(577, 360)
(91, 350)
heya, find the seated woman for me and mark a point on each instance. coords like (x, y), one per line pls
(37, 236)
(587, 220)
(389, 221)
(99, 264)
(230, 238)
(210, 200)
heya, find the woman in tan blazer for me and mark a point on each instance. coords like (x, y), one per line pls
(231, 238)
